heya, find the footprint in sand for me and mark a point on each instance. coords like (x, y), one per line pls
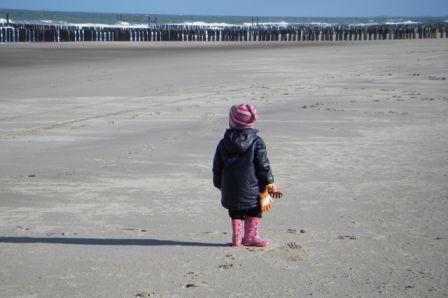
(294, 231)
(435, 78)
(208, 116)
(255, 249)
(295, 250)
(293, 245)
(345, 237)
(194, 285)
(229, 266)
(313, 105)
(333, 110)
(61, 234)
(135, 230)
(144, 294)
(413, 92)
(215, 233)
(195, 281)
(296, 258)
(192, 275)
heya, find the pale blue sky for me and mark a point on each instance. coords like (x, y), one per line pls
(309, 8)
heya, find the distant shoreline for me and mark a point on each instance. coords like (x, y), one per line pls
(13, 32)
(63, 17)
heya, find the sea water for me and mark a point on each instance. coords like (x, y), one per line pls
(143, 20)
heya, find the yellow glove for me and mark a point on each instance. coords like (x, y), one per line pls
(265, 201)
(273, 192)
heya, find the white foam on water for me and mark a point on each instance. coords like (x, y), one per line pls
(401, 22)
(118, 25)
(286, 24)
(79, 25)
(204, 24)
(321, 24)
(214, 25)
(123, 23)
(51, 22)
(4, 21)
(282, 23)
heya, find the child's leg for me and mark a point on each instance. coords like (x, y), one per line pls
(237, 228)
(251, 237)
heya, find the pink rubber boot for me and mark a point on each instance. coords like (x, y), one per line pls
(251, 237)
(237, 227)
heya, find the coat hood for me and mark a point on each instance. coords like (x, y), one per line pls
(237, 141)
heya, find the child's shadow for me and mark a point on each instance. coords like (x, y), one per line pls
(107, 241)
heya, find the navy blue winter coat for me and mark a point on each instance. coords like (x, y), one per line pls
(241, 168)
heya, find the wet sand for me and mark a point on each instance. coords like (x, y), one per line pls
(106, 153)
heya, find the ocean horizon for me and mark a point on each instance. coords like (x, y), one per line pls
(144, 19)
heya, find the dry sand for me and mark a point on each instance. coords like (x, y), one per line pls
(105, 169)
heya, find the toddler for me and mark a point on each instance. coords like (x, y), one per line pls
(242, 172)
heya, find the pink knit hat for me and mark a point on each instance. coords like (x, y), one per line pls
(242, 116)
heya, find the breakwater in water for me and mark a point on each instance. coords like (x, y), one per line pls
(17, 32)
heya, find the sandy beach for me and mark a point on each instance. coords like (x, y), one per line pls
(105, 169)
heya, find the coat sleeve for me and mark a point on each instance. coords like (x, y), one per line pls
(217, 168)
(262, 166)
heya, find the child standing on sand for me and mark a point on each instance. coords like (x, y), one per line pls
(242, 172)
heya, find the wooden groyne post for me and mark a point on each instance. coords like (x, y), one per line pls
(16, 32)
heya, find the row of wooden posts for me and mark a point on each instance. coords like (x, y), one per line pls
(13, 33)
